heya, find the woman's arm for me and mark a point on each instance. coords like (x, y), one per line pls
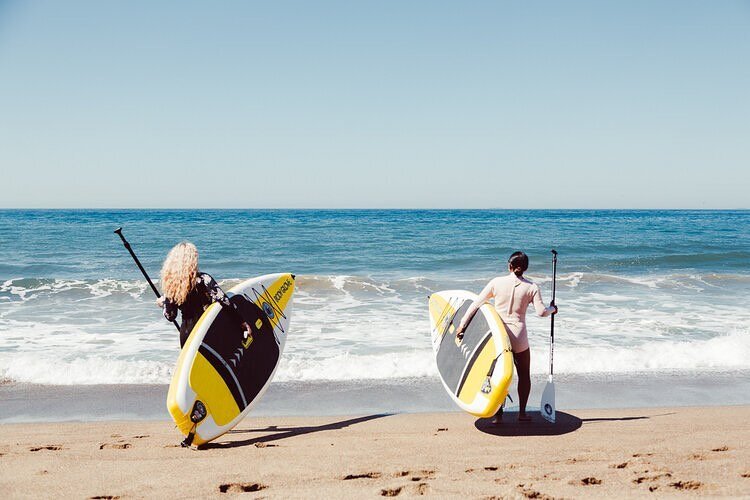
(486, 294)
(541, 310)
(217, 295)
(170, 308)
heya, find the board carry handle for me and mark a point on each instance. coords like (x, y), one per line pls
(118, 232)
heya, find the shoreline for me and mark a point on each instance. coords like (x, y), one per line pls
(60, 403)
(591, 453)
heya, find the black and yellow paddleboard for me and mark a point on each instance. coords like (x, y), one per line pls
(220, 374)
(477, 370)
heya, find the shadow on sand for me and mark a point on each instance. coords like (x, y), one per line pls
(620, 419)
(564, 424)
(287, 432)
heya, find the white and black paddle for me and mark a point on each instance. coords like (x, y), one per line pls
(548, 396)
(118, 232)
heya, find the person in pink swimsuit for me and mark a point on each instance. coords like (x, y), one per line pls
(513, 294)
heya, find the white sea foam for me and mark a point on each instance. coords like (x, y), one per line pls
(363, 327)
(45, 369)
(729, 352)
(347, 366)
(726, 352)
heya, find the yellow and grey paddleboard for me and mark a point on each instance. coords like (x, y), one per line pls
(476, 371)
(221, 374)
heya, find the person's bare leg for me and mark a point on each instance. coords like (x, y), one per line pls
(522, 360)
(498, 418)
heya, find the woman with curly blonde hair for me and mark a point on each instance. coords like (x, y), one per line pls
(189, 290)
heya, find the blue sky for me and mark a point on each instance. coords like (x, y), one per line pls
(553, 104)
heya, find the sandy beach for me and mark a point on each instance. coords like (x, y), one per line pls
(588, 453)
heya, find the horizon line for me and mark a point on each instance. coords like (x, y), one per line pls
(713, 209)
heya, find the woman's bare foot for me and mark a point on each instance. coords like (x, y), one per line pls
(498, 418)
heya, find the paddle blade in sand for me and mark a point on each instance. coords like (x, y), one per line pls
(548, 401)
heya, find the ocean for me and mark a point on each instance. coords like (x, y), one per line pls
(646, 293)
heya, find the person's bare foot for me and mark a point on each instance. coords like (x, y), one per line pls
(498, 418)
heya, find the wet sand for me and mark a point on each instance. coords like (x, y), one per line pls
(58, 403)
(588, 453)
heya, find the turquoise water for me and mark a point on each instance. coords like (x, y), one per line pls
(654, 291)
(78, 243)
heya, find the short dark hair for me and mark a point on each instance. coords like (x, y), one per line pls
(519, 262)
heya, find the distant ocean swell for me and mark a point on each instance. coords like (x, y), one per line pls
(344, 327)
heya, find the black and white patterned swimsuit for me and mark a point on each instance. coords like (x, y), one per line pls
(205, 292)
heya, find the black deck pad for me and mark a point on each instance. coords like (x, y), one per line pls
(452, 358)
(244, 370)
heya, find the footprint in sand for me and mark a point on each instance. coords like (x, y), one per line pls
(588, 481)
(686, 485)
(745, 475)
(50, 447)
(241, 487)
(141, 437)
(391, 492)
(651, 479)
(489, 468)
(421, 488)
(115, 446)
(366, 475)
(530, 493)
(265, 445)
(619, 466)
(418, 489)
(419, 475)
(702, 456)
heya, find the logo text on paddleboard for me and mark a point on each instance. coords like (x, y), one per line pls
(282, 290)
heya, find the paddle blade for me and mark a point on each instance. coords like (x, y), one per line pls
(548, 402)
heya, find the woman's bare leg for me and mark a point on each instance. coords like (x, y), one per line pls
(522, 360)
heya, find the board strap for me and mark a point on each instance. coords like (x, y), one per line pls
(487, 385)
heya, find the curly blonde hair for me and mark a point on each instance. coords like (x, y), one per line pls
(179, 272)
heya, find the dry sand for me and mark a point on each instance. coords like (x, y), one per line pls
(589, 453)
